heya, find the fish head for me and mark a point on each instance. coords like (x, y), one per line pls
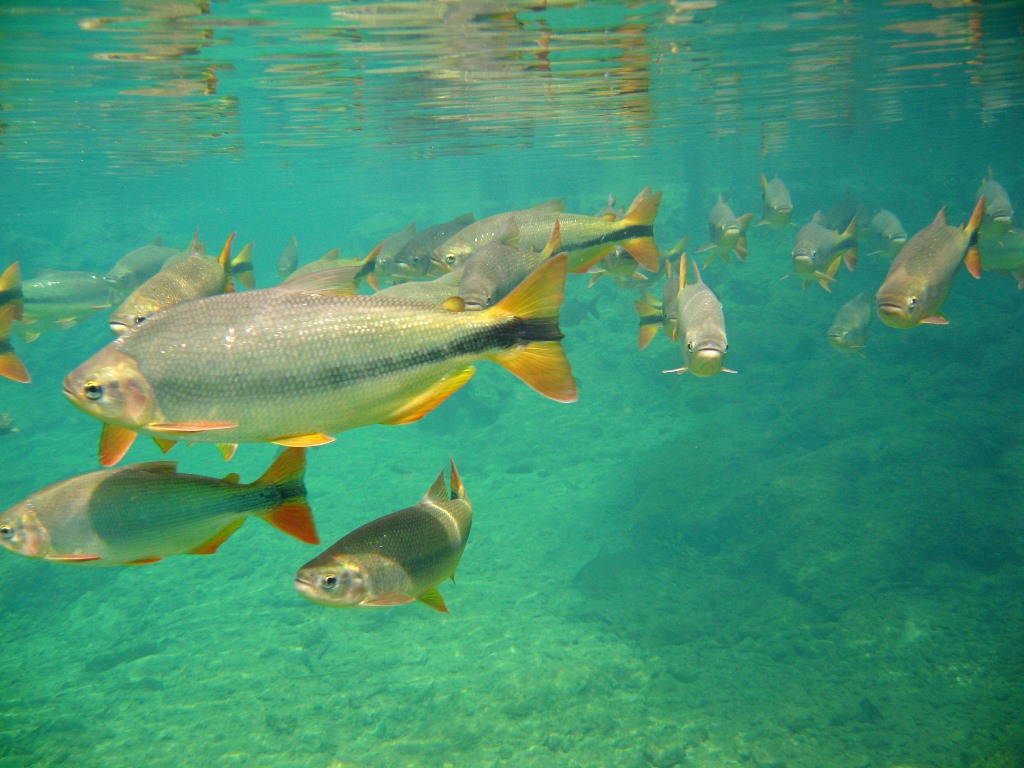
(805, 260)
(904, 305)
(132, 313)
(845, 339)
(450, 256)
(705, 357)
(110, 387)
(22, 532)
(338, 583)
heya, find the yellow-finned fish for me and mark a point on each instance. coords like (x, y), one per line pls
(193, 278)
(587, 239)
(998, 211)
(888, 232)
(500, 265)
(293, 367)
(58, 299)
(728, 233)
(356, 270)
(288, 258)
(819, 250)
(662, 314)
(776, 204)
(136, 267)
(412, 261)
(849, 329)
(142, 513)
(700, 327)
(395, 559)
(921, 274)
(12, 304)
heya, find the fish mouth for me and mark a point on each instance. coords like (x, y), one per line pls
(119, 329)
(894, 315)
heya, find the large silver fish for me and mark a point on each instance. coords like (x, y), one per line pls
(293, 367)
(700, 327)
(395, 559)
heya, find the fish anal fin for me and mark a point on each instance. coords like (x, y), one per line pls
(210, 546)
(114, 443)
(227, 450)
(144, 561)
(164, 444)
(423, 403)
(385, 601)
(311, 440)
(12, 368)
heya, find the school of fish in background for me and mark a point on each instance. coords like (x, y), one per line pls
(197, 360)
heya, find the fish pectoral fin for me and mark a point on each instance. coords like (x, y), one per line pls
(383, 601)
(196, 426)
(423, 403)
(684, 369)
(114, 443)
(72, 558)
(935, 320)
(210, 546)
(433, 598)
(311, 440)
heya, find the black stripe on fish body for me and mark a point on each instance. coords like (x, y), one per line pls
(506, 333)
(9, 295)
(241, 269)
(613, 236)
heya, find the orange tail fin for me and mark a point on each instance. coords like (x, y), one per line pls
(642, 213)
(292, 515)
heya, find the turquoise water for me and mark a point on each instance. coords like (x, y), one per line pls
(815, 562)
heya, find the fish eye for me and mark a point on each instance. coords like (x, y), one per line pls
(912, 302)
(449, 258)
(93, 390)
(329, 581)
(6, 532)
(139, 319)
(689, 346)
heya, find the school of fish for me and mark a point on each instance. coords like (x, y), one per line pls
(203, 356)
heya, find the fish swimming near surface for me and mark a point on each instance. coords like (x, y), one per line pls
(998, 217)
(142, 513)
(395, 559)
(920, 276)
(289, 258)
(293, 366)
(728, 233)
(849, 329)
(586, 239)
(192, 278)
(819, 251)
(776, 204)
(500, 265)
(412, 261)
(137, 266)
(700, 327)
(888, 233)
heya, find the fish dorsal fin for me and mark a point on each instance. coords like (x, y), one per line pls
(940, 217)
(818, 218)
(696, 273)
(683, 272)
(332, 255)
(194, 246)
(458, 489)
(438, 491)
(722, 198)
(509, 232)
(554, 242)
(157, 467)
(556, 205)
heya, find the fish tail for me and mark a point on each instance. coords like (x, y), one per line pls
(10, 366)
(973, 257)
(640, 218)
(292, 513)
(367, 269)
(12, 301)
(538, 358)
(650, 318)
(225, 263)
(241, 267)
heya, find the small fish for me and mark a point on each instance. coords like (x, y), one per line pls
(58, 299)
(499, 266)
(849, 330)
(295, 366)
(921, 274)
(776, 204)
(728, 233)
(390, 246)
(436, 291)
(700, 327)
(187, 280)
(395, 559)
(888, 232)
(662, 314)
(412, 261)
(289, 258)
(841, 214)
(341, 272)
(819, 250)
(145, 512)
(587, 239)
(1004, 253)
(137, 266)
(998, 210)
(610, 212)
